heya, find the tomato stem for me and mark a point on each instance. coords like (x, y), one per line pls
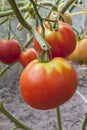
(25, 23)
(12, 118)
(66, 6)
(58, 118)
(18, 14)
(44, 56)
(84, 123)
(39, 16)
(9, 27)
(5, 69)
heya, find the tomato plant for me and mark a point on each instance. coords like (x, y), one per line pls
(51, 83)
(61, 39)
(79, 55)
(9, 51)
(27, 56)
(48, 85)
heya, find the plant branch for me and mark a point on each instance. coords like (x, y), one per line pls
(12, 118)
(5, 69)
(25, 23)
(6, 13)
(84, 123)
(58, 118)
(18, 14)
(38, 15)
(66, 6)
(52, 4)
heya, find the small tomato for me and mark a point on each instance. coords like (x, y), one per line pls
(79, 55)
(48, 85)
(9, 51)
(27, 56)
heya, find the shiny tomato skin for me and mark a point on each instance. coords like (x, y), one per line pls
(48, 85)
(62, 40)
(27, 56)
(79, 55)
(9, 51)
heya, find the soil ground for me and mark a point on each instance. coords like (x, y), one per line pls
(72, 112)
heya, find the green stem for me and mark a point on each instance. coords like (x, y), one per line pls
(18, 15)
(19, 4)
(5, 69)
(46, 3)
(66, 6)
(84, 123)
(24, 23)
(5, 20)
(28, 42)
(11, 12)
(9, 27)
(12, 118)
(57, 2)
(72, 7)
(59, 118)
(38, 15)
(14, 128)
(44, 45)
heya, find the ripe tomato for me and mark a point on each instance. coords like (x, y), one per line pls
(62, 40)
(9, 51)
(27, 56)
(79, 55)
(48, 85)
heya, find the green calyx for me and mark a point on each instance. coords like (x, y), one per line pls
(44, 56)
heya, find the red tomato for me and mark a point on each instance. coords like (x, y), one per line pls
(27, 56)
(62, 40)
(48, 85)
(9, 51)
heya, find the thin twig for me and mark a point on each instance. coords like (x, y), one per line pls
(84, 99)
(58, 118)
(12, 118)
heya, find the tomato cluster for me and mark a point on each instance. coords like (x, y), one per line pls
(46, 85)
(11, 52)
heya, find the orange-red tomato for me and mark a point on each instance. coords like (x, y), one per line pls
(62, 40)
(48, 85)
(27, 56)
(79, 55)
(9, 51)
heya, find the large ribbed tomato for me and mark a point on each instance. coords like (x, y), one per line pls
(48, 85)
(61, 39)
(9, 51)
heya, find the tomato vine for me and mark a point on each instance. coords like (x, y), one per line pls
(31, 10)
